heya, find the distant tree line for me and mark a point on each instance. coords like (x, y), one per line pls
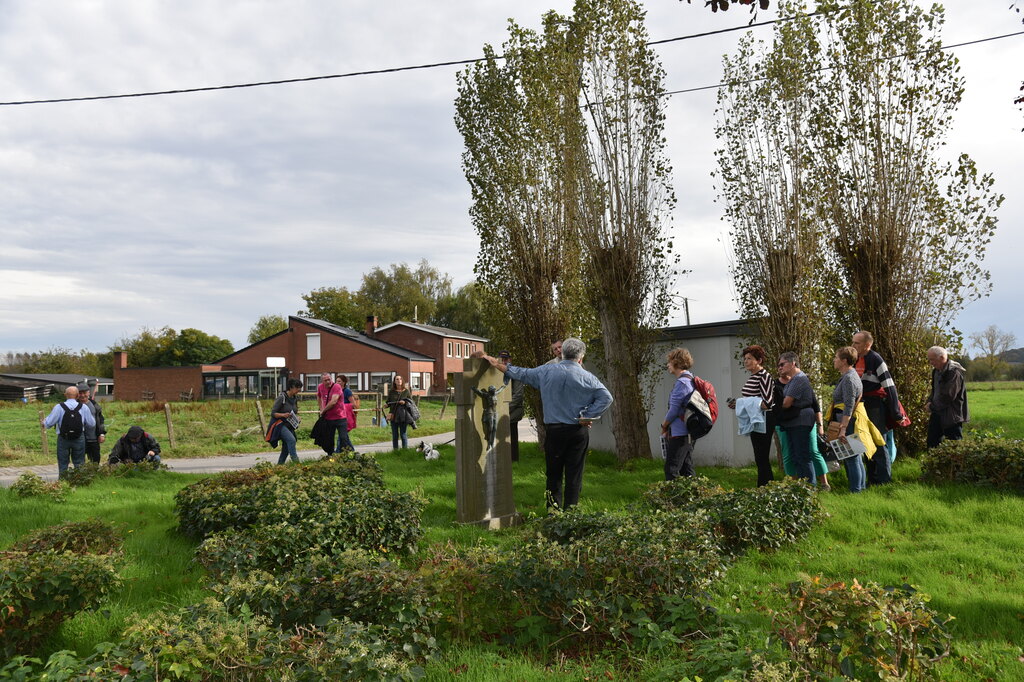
(400, 292)
(149, 348)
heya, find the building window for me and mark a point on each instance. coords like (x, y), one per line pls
(474, 348)
(458, 350)
(312, 346)
(450, 349)
(426, 381)
(378, 379)
(414, 381)
(312, 381)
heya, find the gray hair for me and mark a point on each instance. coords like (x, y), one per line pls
(938, 351)
(573, 349)
(790, 356)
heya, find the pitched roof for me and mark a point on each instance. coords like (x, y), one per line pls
(359, 337)
(439, 331)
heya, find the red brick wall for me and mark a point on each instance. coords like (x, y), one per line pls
(166, 383)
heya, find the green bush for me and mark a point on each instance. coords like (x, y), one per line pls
(240, 499)
(40, 591)
(205, 642)
(994, 462)
(765, 518)
(860, 631)
(32, 485)
(571, 525)
(80, 537)
(638, 578)
(353, 585)
(293, 520)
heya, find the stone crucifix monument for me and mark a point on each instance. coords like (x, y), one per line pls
(483, 452)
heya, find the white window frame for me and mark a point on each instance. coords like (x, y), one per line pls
(313, 346)
(450, 350)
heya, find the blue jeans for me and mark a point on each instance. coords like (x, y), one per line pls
(397, 429)
(855, 472)
(799, 438)
(344, 442)
(287, 445)
(72, 451)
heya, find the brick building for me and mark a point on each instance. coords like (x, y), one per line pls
(447, 346)
(422, 354)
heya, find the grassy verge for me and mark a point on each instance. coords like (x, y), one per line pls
(201, 429)
(960, 544)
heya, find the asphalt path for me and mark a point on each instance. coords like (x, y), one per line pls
(218, 463)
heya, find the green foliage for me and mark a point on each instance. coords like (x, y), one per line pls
(32, 485)
(206, 642)
(354, 585)
(165, 347)
(79, 477)
(267, 326)
(403, 292)
(336, 305)
(464, 310)
(56, 360)
(40, 591)
(237, 499)
(861, 631)
(765, 518)
(93, 536)
(991, 461)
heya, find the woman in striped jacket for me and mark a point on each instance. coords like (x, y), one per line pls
(761, 385)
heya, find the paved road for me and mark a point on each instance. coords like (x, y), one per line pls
(210, 465)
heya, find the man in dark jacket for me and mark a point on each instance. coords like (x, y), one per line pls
(135, 446)
(948, 403)
(96, 434)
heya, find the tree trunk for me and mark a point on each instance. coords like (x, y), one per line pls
(629, 418)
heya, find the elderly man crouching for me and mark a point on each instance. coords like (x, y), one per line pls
(573, 398)
(135, 446)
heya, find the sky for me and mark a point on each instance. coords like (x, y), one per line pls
(208, 210)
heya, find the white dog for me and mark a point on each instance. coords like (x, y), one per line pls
(428, 450)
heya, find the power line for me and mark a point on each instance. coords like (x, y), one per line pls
(353, 74)
(718, 86)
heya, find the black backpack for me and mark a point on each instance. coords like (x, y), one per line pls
(71, 426)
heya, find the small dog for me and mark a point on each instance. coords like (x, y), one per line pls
(428, 450)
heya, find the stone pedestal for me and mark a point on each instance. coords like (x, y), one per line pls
(483, 473)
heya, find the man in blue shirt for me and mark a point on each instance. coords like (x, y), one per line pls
(69, 445)
(573, 398)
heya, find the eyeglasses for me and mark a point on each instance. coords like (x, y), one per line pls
(782, 364)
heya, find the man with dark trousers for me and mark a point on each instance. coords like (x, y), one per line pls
(881, 403)
(573, 398)
(96, 434)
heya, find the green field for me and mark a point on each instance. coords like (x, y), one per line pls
(956, 543)
(201, 429)
(1000, 411)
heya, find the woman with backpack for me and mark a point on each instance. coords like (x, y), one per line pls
(678, 444)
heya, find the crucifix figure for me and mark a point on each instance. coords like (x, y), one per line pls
(490, 414)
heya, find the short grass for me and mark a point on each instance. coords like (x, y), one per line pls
(1000, 411)
(201, 429)
(960, 544)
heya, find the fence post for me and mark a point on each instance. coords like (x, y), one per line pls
(444, 405)
(42, 432)
(259, 413)
(170, 426)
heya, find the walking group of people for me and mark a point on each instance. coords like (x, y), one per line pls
(81, 430)
(337, 415)
(864, 403)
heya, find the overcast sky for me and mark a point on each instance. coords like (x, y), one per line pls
(208, 210)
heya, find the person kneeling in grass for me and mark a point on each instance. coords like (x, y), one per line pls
(135, 446)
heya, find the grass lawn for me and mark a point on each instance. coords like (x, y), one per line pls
(962, 545)
(201, 429)
(999, 411)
